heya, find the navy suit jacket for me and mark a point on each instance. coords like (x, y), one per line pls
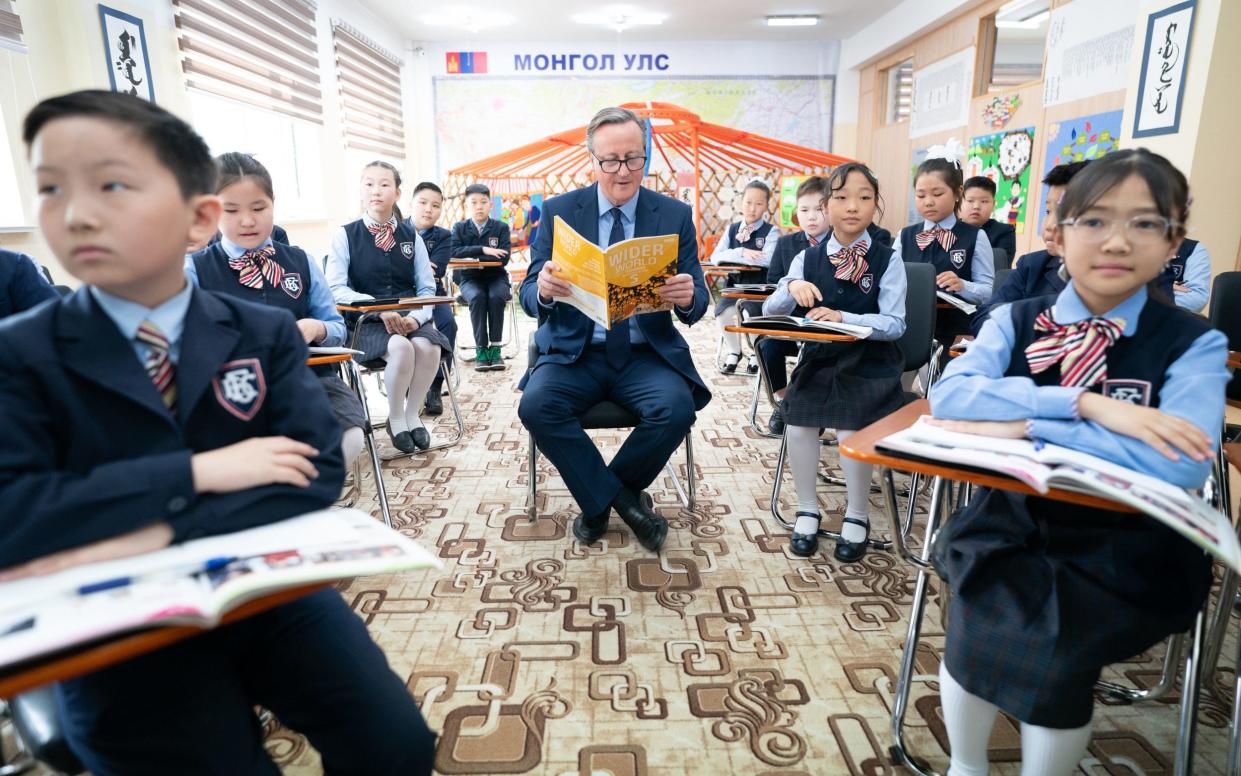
(564, 332)
(91, 452)
(22, 286)
(1028, 279)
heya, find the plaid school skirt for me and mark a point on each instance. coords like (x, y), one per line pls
(844, 385)
(373, 339)
(1045, 594)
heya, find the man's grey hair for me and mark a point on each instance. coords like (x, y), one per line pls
(609, 116)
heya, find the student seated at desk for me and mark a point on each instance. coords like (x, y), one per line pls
(428, 204)
(22, 284)
(487, 290)
(1186, 279)
(750, 241)
(1046, 593)
(977, 204)
(842, 386)
(141, 411)
(811, 217)
(379, 257)
(249, 263)
(1040, 272)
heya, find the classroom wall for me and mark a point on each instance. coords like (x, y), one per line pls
(1210, 115)
(65, 52)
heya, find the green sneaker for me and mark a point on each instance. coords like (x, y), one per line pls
(482, 359)
(497, 360)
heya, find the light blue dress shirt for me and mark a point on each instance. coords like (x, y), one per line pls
(723, 253)
(322, 308)
(168, 317)
(338, 270)
(974, 388)
(888, 323)
(1197, 279)
(982, 267)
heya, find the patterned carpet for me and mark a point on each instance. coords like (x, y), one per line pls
(532, 654)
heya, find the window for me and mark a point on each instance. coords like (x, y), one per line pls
(10, 26)
(1014, 40)
(369, 84)
(260, 52)
(900, 91)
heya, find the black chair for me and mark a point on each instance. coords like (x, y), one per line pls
(1000, 276)
(1001, 259)
(920, 349)
(607, 414)
(36, 720)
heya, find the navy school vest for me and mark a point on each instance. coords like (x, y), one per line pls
(860, 298)
(1175, 271)
(787, 248)
(214, 274)
(1135, 365)
(958, 259)
(378, 273)
(758, 238)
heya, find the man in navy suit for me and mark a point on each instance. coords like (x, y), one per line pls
(642, 363)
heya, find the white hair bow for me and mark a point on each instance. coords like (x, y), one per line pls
(953, 151)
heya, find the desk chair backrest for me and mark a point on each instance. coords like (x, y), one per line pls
(1225, 310)
(915, 343)
(1002, 260)
(1000, 276)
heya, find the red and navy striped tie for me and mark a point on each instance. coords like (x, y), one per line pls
(158, 362)
(1080, 348)
(256, 265)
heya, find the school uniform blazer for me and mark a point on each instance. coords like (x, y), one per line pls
(91, 452)
(468, 243)
(564, 332)
(1029, 278)
(22, 285)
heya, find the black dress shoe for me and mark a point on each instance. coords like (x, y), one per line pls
(434, 405)
(805, 545)
(421, 438)
(649, 528)
(404, 442)
(730, 363)
(775, 424)
(852, 552)
(751, 366)
(589, 530)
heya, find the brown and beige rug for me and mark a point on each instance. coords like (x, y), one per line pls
(532, 654)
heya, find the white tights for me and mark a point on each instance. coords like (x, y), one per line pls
(803, 443)
(411, 368)
(732, 341)
(969, 719)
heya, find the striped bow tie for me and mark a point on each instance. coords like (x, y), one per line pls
(256, 265)
(1081, 348)
(943, 236)
(850, 263)
(158, 363)
(385, 235)
(743, 234)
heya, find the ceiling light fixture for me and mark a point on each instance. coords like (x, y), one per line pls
(467, 19)
(793, 20)
(620, 17)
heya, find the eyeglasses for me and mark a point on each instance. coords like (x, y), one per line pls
(1143, 230)
(634, 163)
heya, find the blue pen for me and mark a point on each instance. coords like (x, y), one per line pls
(107, 584)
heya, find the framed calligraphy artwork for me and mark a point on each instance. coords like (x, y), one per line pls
(1164, 62)
(125, 47)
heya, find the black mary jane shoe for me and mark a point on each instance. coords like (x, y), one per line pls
(589, 530)
(421, 438)
(805, 545)
(434, 404)
(852, 552)
(751, 366)
(775, 424)
(404, 441)
(730, 363)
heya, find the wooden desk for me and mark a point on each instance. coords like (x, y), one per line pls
(809, 336)
(754, 296)
(1234, 360)
(457, 264)
(72, 664)
(956, 349)
(413, 304)
(330, 358)
(1233, 452)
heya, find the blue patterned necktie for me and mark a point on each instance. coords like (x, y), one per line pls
(617, 341)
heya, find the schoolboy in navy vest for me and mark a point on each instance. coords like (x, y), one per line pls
(811, 218)
(427, 205)
(142, 411)
(848, 279)
(750, 241)
(376, 257)
(487, 289)
(1040, 272)
(1186, 279)
(977, 205)
(22, 284)
(960, 252)
(1045, 594)
(249, 264)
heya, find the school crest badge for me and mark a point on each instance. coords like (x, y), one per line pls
(1133, 391)
(866, 283)
(493, 242)
(1177, 270)
(291, 283)
(957, 257)
(240, 387)
(407, 250)
(759, 242)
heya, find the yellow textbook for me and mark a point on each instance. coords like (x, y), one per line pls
(611, 285)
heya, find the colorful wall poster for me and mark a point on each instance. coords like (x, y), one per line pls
(1004, 157)
(942, 94)
(520, 210)
(788, 199)
(1079, 139)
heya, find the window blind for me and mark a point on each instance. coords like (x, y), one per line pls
(369, 83)
(10, 24)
